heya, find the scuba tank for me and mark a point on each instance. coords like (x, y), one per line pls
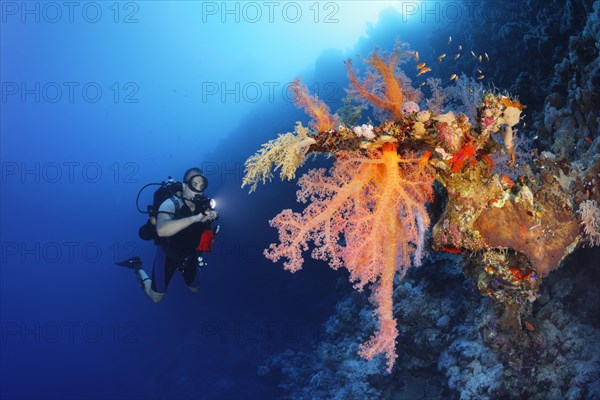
(166, 190)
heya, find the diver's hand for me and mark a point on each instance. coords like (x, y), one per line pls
(212, 215)
(208, 216)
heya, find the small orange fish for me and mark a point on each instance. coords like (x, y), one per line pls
(488, 160)
(440, 58)
(419, 66)
(479, 58)
(453, 77)
(416, 55)
(529, 326)
(456, 56)
(487, 57)
(480, 77)
(423, 70)
(588, 139)
(421, 84)
(508, 181)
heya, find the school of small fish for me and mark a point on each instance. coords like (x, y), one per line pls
(422, 67)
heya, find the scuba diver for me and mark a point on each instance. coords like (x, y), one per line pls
(180, 224)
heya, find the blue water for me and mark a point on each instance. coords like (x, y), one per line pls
(100, 98)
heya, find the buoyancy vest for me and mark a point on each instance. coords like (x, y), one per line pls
(184, 243)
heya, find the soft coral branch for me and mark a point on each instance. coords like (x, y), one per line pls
(377, 205)
(322, 120)
(287, 152)
(385, 86)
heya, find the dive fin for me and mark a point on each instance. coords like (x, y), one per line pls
(133, 263)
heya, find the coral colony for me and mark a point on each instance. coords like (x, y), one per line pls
(512, 221)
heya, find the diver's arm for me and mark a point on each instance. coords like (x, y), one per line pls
(167, 226)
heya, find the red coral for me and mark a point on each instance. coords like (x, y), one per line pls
(377, 204)
(466, 153)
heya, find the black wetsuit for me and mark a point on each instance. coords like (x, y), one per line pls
(178, 252)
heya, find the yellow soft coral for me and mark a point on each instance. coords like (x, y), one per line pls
(287, 151)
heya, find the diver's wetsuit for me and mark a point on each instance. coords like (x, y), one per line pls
(178, 252)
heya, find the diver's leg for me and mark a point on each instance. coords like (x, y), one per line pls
(156, 297)
(147, 286)
(190, 276)
(193, 289)
(156, 287)
(135, 263)
(145, 280)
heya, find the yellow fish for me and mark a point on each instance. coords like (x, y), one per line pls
(423, 70)
(416, 56)
(453, 77)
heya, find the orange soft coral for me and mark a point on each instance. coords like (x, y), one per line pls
(322, 120)
(385, 77)
(377, 205)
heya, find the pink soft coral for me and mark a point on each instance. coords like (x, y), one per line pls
(377, 204)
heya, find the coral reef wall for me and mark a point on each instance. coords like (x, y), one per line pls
(453, 342)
